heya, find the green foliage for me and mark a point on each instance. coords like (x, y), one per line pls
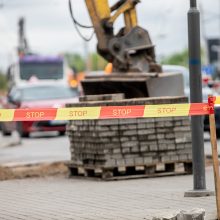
(180, 58)
(97, 62)
(76, 62)
(3, 82)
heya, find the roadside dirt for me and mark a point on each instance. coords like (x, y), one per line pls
(42, 170)
(37, 170)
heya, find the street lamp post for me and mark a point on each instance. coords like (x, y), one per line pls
(198, 155)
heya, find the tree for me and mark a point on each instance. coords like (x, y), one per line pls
(76, 62)
(3, 82)
(97, 62)
(179, 58)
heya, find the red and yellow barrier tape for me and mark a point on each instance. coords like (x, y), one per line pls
(216, 99)
(110, 112)
(105, 112)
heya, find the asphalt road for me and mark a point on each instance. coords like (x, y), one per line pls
(40, 147)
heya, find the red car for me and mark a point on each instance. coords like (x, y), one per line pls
(38, 96)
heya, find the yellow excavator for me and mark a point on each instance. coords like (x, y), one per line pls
(131, 52)
(131, 49)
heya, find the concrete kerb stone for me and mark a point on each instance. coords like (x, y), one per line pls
(194, 214)
(199, 193)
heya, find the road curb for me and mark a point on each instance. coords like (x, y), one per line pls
(33, 170)
(10, 141)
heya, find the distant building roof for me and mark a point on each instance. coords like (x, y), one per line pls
(39, 59)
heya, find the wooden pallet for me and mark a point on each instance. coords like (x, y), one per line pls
(131, 172)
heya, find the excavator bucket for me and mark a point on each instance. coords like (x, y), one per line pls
(135, 85)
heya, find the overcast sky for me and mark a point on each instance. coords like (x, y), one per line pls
(49, 28)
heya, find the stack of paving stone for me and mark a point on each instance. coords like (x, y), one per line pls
(130, 142)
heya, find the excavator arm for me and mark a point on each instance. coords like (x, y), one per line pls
(131, 49)
(135, 71)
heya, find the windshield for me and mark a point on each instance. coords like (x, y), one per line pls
(45, 70)
(47, 93)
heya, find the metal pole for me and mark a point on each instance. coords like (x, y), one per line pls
(193, 4)
(198, 155)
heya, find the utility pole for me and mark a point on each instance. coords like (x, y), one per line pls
(2, 4)
(23, 47)
(198, 155)
(86, 56)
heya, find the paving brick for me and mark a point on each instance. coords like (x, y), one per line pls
(127, 121)
(126, 150)
(139, 161)
(130, 144)
(145, 120)
(174, 158)
(148, 160)
(124, 139)
(168, 124)
(129, 133)
(160, 136)
(128, 127)
(120, 162)
(135, 149)
(162, 146)
(180, 146)
(153, 147)
(169, 136)
(107, 134)
(117, 151)
(183, 157)
(177, 123)
(187, 128)
(183, 140)
(108, 122)
(152, 137)
(165, 158)
(145, 132)
(95, 141)
(129, 161)
(166, 141)
(171, 147)
(144, 148)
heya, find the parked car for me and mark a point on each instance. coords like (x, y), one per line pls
(206, 91)
(38, 96)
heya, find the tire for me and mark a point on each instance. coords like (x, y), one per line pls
(25, 135)
(62, 133)
(20, 130)
(4, 131)
(218, 133)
